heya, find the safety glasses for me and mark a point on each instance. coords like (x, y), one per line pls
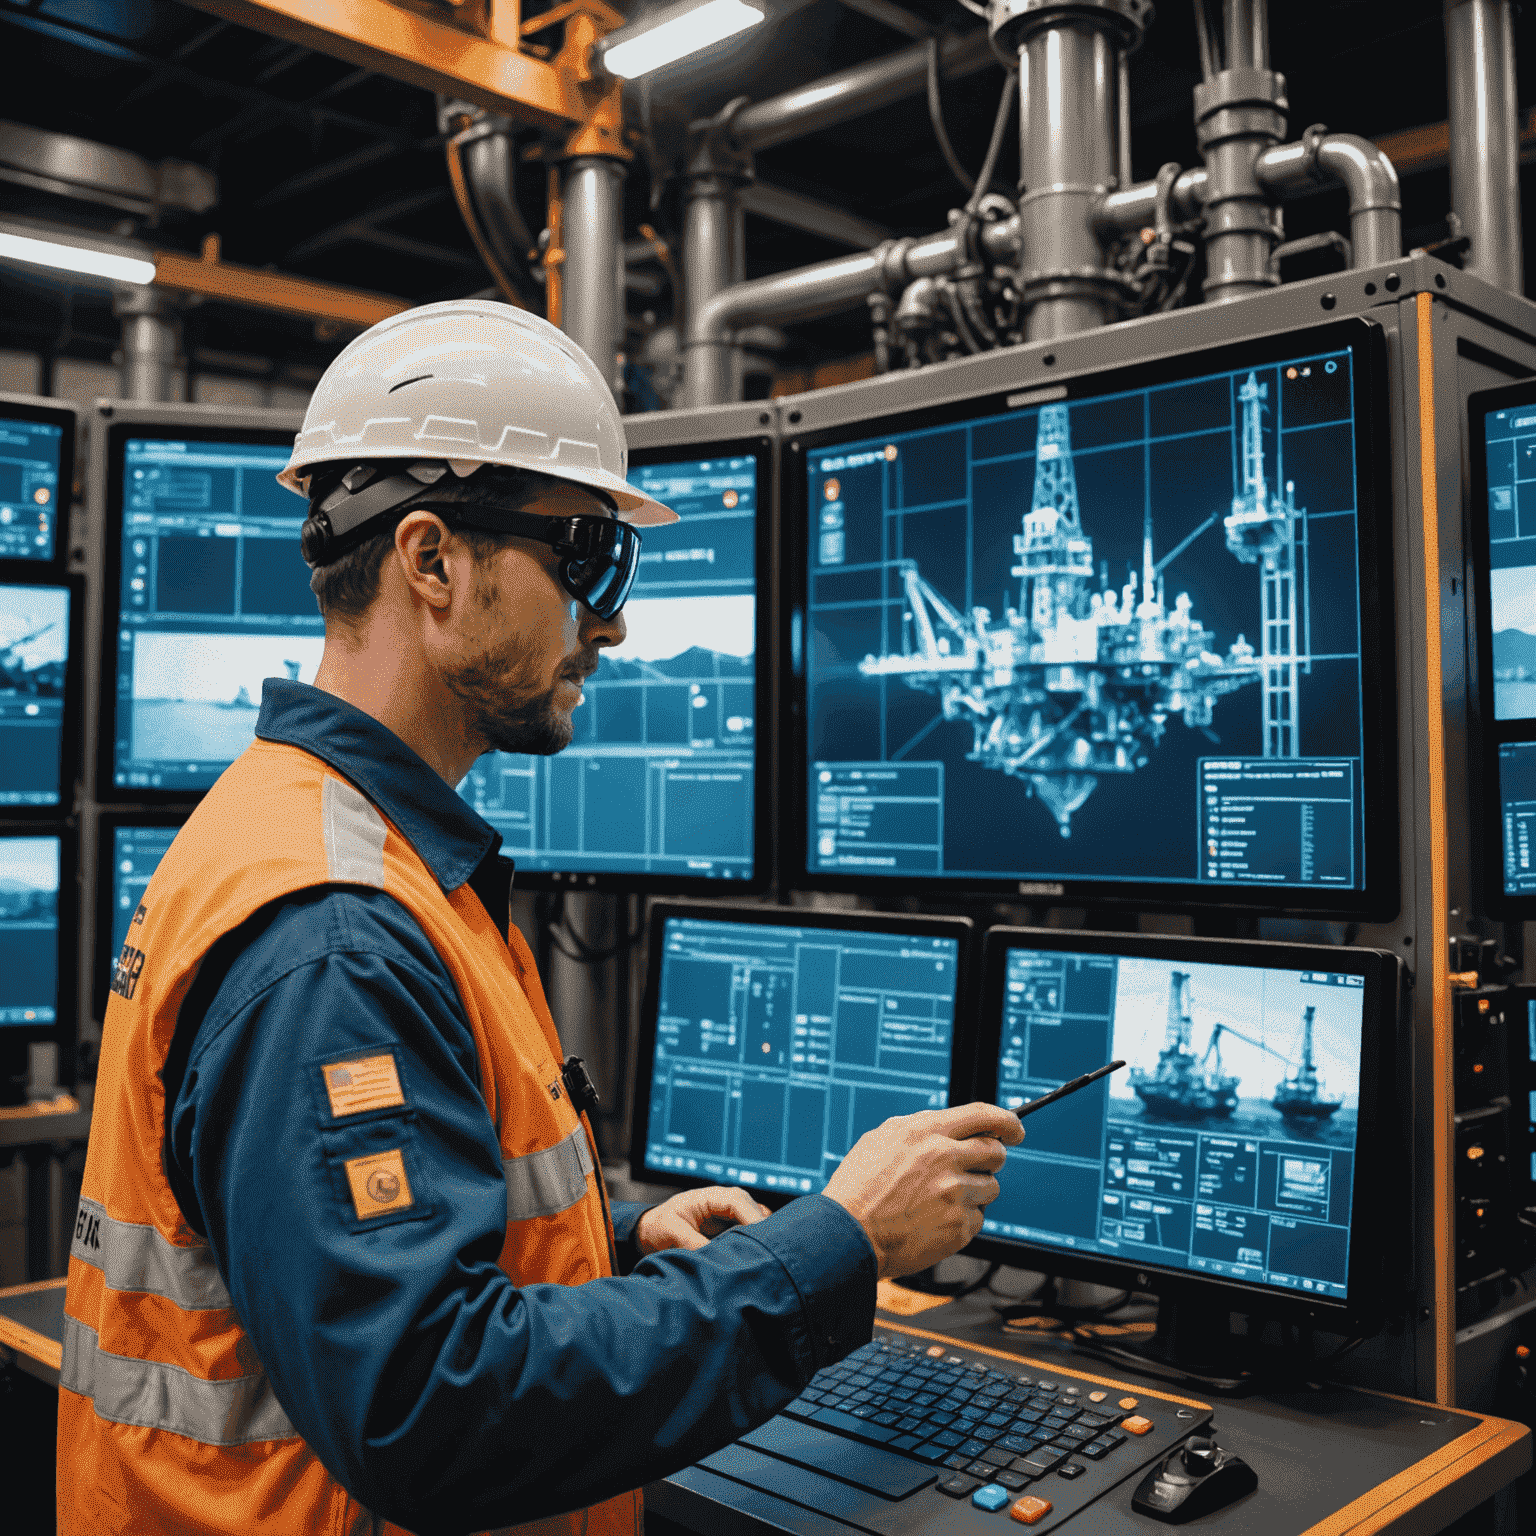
(599, 556)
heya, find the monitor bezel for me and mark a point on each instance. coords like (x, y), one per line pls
(102, 958)
(66, 417)
(764, 832)
(1485, 733)
(71, 742)
(962, 929)
(1372, 1211)
(64, 1031)
(177, 428)
(1380, 899)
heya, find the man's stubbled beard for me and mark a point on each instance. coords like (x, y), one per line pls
(504, 704)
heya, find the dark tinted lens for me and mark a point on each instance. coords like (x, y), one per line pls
(602, 581)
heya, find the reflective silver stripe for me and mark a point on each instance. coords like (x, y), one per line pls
(137, 1258)
(157, 1396)
(354, 835)
(541, 1183)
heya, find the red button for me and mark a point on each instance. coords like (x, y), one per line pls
(1136, 1425)
(1029, 1509)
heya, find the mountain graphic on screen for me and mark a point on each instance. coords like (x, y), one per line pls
(1514, 654)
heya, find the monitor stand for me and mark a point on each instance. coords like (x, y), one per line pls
(15, 1067)
(1193, 1344)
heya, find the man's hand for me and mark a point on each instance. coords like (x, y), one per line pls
(689, 1219)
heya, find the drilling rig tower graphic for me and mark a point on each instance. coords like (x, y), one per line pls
(1079, 680)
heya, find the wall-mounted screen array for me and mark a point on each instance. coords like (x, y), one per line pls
(31, 872)
(660, 786)
(212, 598)
(36, 467)
(131, 845)
(773, 1039)
(39, 628)
(1023, 620)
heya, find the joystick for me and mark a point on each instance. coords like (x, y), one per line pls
(1193, 1479)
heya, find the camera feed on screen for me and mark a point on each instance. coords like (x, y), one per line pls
(777, 1047)
(29, 487)
(29, 930)
(658, 778)
(1226, 1149)
(1024, 630)
(215, 599)
(1510, 437)
(34, 665)
(136, 855)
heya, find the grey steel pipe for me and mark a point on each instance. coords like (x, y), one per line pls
(709, 216)
(852, 92)
(1357, 165)
(1118, 213)
(1485, 138)
(593, 305)
(810, 292)
(151, 342)
(1246, 26)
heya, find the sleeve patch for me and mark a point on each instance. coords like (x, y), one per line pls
(370, 1082)
(379, 1184)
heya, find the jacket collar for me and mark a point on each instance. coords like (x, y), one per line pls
(451, 839)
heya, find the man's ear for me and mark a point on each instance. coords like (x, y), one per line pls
(419, 540)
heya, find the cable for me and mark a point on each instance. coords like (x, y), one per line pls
(994, 148)
(936, 119)
(1206, 38)
(461, 196)
(558, 926)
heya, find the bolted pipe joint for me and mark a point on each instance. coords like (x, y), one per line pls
(1239, 114)
(1357, 165)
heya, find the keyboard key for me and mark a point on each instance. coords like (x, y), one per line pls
(981, 1469)
(1041, 1460)
(957, 1486)
(930, 1452)
(1077, 1432)
(1020, 1445)
(936, 1352)
(1136, 1425)
(939, 1416)
(904, 1443)
(884, 1418)
(1029, 1510)
(973, 1447)
(1055, 1422)
(991, 1496)
(909, 1424)
(1127, 1403)
(1112, 1437)
(995, 1457)
(1014, 1480)
(1072, 1469)
(1094, 1420)
(849, 1425)
(957, 1461)
(1097, 1397)
(997, 1420)
(949, 1437)
(1096, 1451)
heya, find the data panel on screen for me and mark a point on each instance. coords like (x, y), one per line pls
(136, 854)
(658, 781)
(1025, 629)
(1511, 459)
(777, 1047)
(29, 930)
(214, 599)
(29, 487)
(1226, 1150)
(34, 672)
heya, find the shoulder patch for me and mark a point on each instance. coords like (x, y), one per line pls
(366, 1082)
(379, 1185)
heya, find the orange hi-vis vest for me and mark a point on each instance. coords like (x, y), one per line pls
(167, 1421)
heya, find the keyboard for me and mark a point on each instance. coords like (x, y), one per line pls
(912, 1425)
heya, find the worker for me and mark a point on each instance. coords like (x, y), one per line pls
(344, 1256)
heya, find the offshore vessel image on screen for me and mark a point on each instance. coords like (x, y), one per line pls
(1116, 639)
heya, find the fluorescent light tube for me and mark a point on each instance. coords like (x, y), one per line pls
(75, 258)
(695, 29)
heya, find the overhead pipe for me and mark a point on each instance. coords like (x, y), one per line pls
(151, 344)
(592, 303)
(1357, 165)
(1485, 138)
(824, 288)
(1121, 212)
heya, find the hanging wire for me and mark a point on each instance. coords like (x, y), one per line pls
(1210, 60)
(936, 118)
(995, 148)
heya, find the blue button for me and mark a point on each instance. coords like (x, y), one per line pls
(993, 1496)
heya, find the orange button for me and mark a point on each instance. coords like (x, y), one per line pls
(1136, 1425)
(1030, 1509)
(1127, 1403)
(936, 1352)
(1097, 1397)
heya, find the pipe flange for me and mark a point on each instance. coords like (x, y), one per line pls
(1265, 279)
(1039, 283)
(713, 150)
(1241, 88)
(1312, 147)
(1012, 23)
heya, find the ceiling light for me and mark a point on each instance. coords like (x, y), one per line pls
(636, 51)
(75, 258)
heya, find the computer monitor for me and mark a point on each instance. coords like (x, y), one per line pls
(37, 954)
(665, 784)
(130, 845)
(1025, 618)
(37, 476)
(1245, 1159)
(772, 1038)
(40, 681)
(206, 594)
(1502, 739)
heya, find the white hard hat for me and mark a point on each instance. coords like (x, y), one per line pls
(471, 382)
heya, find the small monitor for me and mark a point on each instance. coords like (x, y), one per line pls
(37, 952)
(37, 472)
(1024, 617)
(664, 785)
(130, 847)
(40, 648)
(772, 1038)
(1245, 1151)
(207, 596)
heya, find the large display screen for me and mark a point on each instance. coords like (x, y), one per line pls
(1510, 443)
(658, 784)
(136, 853)
(34, 673)
(29, 930)
(214, 598)
(1115, 639)
(30, 454)
(1227, 1148)
(776, 1046)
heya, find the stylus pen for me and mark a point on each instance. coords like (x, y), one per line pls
(1066, 1088)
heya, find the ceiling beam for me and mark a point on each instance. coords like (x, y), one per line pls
(812, 216)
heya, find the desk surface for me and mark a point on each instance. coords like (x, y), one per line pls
(32, 1326)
